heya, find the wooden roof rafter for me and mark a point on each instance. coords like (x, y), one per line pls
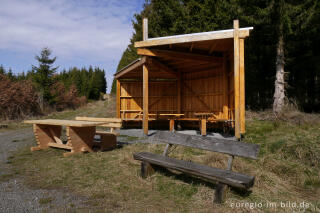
(163, 67)
(178, 55)
(132, 66)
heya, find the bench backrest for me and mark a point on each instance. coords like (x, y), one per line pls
(225, 146)
(112, 122)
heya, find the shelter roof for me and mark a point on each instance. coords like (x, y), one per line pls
(184, 53)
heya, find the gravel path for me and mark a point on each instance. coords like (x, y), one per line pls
(15, 197)
(138, 133)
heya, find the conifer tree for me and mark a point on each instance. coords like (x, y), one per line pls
(43, 74)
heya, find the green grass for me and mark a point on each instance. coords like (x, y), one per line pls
(288, 169)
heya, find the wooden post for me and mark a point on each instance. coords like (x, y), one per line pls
(145, 99)
(225, 89)
(118, 101)
(242, 89)
(179, 93)
(236, 78)
(145, 29)
(145, 84)
(171, 122)
(203, 126)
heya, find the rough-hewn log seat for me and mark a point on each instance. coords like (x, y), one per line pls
(224, 176)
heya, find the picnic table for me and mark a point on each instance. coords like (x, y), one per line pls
(80, 134)
(172, 117)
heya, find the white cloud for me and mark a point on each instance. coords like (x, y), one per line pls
(69, 27)
(89, 29)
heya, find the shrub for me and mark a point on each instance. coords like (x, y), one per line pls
(67, 99)
(17, 99)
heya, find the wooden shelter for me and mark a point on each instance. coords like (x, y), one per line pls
(190, 77)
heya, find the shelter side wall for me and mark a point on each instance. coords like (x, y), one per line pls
(162, 98)
(230, 68)
(203, 92)
(130, 99)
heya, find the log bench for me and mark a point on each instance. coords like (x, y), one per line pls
(108, 140)
(222, 177)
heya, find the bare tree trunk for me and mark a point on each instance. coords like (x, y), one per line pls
(279, 95)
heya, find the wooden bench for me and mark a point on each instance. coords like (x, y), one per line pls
(108, 140)
(222, 177)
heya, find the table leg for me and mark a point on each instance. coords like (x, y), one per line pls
(171, 125)
(80, 139)
(203, 127)
(44, 135)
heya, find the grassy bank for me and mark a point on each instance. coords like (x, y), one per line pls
(94, 109)
(288, 170)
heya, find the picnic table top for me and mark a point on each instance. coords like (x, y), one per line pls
(65, 122)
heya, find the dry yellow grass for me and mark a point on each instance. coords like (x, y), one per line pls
(288, 170)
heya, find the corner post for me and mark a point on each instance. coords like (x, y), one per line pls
(145, 88)
(118, 101)
(236, 77)
(242, 89)
(145, 84)
(145, 29)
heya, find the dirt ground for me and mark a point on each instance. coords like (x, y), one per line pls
(15, 197)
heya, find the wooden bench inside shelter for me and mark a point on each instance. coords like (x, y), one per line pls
(108, 139)
(222, 177)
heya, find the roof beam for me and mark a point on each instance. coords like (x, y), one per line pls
(163, 67)
(194, 37)
(177, 55)
(132, 67)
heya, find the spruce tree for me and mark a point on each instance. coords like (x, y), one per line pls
(43, 74)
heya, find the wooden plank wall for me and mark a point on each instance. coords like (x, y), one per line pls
(200, 92)
(203, 92)
(130, 99)
(162, 98)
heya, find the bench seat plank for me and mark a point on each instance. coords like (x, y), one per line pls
(248, 150)
(224, 176)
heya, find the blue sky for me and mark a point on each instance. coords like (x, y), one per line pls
(79, 32)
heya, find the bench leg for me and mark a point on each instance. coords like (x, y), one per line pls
(146, 169)
(220, 193)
